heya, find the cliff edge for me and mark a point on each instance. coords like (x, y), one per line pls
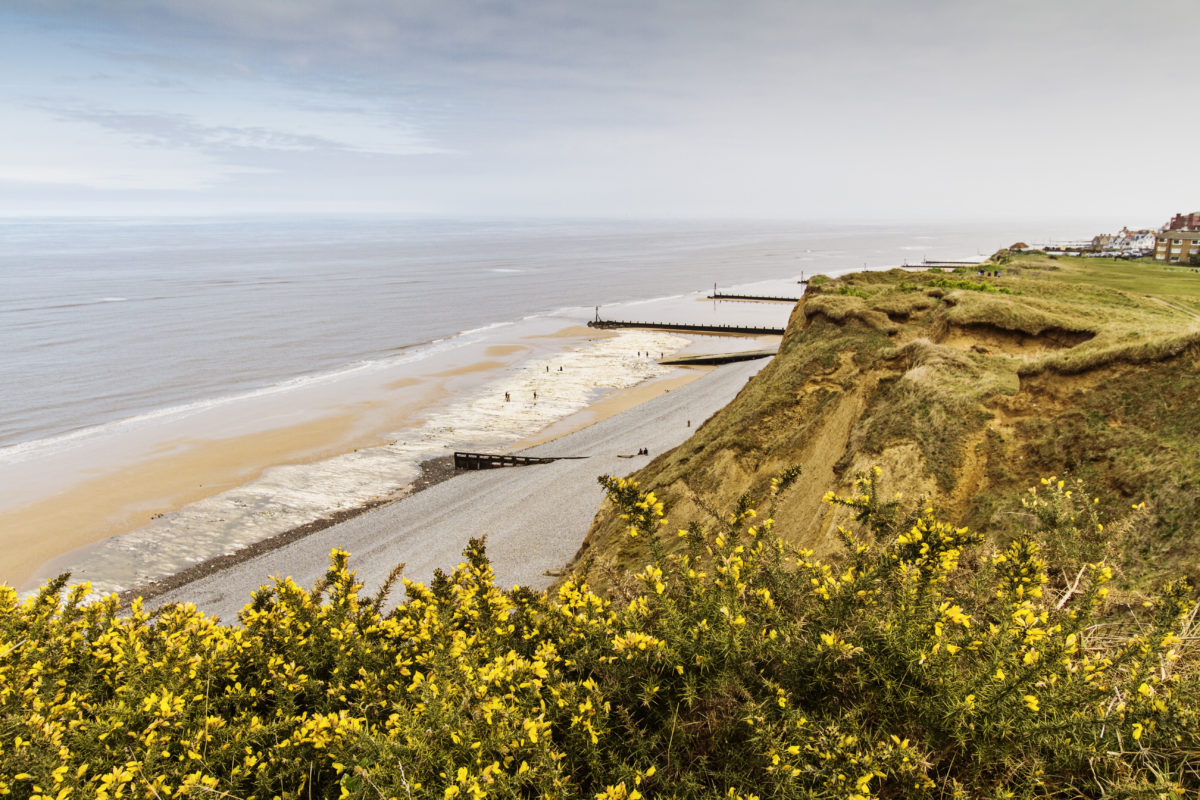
(966, 388)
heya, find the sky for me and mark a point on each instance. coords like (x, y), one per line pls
(779, 109)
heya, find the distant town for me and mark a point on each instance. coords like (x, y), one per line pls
(1176, 242)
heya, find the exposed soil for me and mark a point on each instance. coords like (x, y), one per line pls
(987, 338)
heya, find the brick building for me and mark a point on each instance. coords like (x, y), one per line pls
(1184, 222)
(1177, 246)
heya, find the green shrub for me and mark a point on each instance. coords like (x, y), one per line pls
(972, 286)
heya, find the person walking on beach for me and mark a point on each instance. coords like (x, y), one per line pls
(506, 397)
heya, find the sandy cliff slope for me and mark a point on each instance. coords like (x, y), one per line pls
(965, 389)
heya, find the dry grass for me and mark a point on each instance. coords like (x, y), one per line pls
(840, 308)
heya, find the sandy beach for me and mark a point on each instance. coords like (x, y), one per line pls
(95, 491)
(182, 504)
(535, 517)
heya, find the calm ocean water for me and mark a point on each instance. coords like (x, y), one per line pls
(106, 319)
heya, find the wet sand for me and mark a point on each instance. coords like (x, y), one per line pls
(183, 472)
(615, 403)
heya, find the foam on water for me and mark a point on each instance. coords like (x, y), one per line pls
(286, 497)
(21, 451)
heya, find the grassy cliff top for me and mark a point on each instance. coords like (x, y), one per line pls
(966, 389)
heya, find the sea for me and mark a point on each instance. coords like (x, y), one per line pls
(124, 338)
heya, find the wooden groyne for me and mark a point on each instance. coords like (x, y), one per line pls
(684, 327)
(494, 461)
(758, 298)
(716, 358)
(927, 263)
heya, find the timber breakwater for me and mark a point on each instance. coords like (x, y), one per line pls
(717, 294)
(687, 327)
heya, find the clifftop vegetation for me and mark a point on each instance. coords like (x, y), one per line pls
(920, 664)
(963, 387)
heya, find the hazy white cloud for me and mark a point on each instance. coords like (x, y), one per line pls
(613, 107)
(295, 130)
(35, 148)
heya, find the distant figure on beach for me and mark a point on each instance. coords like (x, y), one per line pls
(689, 423)
(547, 368)
(560, 369)
(506, 397)
(535, 395)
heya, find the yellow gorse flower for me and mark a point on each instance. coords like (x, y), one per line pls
(802, 669)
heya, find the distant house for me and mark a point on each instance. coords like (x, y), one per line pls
(1139, 241)
(1126, 244)
(1177, 246)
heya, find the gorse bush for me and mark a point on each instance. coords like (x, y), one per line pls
(918, 665)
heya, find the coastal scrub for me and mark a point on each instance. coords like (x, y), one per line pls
(919, 663)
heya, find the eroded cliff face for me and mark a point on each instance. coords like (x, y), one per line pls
(963, 396)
